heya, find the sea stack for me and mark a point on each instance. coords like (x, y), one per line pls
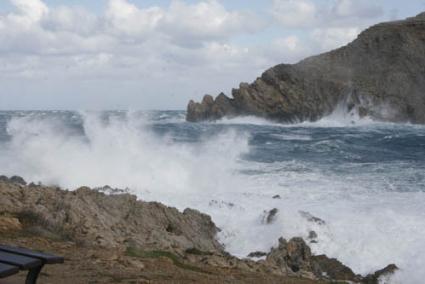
(381, 74)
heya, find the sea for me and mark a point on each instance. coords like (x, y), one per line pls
(364, 180)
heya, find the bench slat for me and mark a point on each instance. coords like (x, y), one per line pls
(46, 258)
(7, 270)
(24, 262)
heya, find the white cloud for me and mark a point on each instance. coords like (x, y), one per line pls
(294, 13)
(74, 20)
(187, 47)
(290, 42)
(126, 18)
(357, 9)
(206, 20)
(70, 44)
(331, 38)
(30, 11)
(331, 25)
(335, 13)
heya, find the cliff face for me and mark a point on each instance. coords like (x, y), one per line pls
(381, 74)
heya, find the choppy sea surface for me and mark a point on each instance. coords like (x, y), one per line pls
(365, 179)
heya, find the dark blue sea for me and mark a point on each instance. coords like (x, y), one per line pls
(364, 179)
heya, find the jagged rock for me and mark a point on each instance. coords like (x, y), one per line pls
(312, 218)
(374, 278)
(312, 236)
(221, 204)
(270, 216)
(4, 178)
(292, 257)
(110, 190)
(381, 74)
(331, 268)
(210, 109)
(122, 224)
(257, 254)
(17, 180)
(96, 219)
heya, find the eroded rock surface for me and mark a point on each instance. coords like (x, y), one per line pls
(381, 74)
(137, 233)
(95, 218)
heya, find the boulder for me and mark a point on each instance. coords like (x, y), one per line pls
(270, 216)
(331, 268)
(375, 277)
(311, 218)
(292, 257)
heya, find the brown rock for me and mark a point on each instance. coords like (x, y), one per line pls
(374, 278)
(94, 218)
(331, 268)
(9, 224)
(293, 257)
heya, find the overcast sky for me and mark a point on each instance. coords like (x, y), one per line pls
(144, 54)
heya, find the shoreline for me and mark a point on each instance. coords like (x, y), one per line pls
(121, 229)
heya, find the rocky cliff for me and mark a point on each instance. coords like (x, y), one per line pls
(381, 74)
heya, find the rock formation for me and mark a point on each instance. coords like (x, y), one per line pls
(96, 219)
(125, 233)
(381, 74)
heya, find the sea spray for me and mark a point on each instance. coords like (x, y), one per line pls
(365, 180)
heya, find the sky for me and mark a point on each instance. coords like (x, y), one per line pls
(145, 54)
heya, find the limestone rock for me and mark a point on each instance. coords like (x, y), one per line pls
(9, 224)
(97, 219)
(292, 257)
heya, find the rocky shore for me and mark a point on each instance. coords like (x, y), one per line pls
(115, 238)
(381, 75)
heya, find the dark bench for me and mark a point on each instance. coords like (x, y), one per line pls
(14, 259)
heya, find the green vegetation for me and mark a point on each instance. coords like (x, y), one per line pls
(196, 251)
(136, 252)
(35, 224)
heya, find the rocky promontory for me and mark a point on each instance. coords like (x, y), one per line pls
(381, 74)
(115, 238)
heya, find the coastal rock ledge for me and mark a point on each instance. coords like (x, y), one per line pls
(115, 238)
(381, 74)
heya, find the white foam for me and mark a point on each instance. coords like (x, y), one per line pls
(246, 120)
(120, 153)
(291, 137)
(339, 118)
(367, 224)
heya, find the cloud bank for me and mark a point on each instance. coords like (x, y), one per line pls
(159, 56)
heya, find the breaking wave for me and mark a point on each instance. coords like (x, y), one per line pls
(365, 180)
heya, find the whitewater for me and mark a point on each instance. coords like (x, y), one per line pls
(364, 179)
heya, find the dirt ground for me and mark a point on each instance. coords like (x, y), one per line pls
(88, 265)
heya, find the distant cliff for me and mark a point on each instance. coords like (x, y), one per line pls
(381, 74)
